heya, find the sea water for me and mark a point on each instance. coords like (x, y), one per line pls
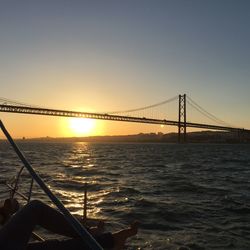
(185, 196)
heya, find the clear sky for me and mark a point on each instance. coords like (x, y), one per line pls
(117, 55)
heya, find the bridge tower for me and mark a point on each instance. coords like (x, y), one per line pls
(182, 119)
(241, 134)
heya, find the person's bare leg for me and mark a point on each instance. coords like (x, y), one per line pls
(121, 236)
(17, 231)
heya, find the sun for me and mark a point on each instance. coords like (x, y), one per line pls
(81, 126)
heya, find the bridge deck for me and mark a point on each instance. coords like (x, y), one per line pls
(100, 116)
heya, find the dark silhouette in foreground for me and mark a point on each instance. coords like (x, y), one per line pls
(17, 230)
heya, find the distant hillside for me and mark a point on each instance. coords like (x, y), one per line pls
(192, 137)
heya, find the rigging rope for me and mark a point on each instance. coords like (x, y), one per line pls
(15, 188)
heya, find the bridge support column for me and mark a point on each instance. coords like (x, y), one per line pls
(182, 119)
(241, 135)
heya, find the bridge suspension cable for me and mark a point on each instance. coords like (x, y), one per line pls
(143, 108)
(210, 116)
(14, 102)
(30, 109)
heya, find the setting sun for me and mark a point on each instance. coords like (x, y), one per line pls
(81, 126)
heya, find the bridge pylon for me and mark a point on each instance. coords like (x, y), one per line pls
(182, 122)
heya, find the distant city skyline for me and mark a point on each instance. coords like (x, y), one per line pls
(116, 55)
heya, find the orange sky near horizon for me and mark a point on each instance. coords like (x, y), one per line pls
(103, 56)
(49, 126)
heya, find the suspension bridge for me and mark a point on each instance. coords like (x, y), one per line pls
(11, 106)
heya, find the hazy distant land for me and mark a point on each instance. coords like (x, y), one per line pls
(192, 137)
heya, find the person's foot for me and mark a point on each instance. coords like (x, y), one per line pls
(98, 229)
(121, 236)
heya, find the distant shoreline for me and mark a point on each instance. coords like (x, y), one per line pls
(192, 137)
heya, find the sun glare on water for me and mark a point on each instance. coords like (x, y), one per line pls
(81, 126)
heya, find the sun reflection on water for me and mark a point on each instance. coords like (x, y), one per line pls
(78, 167)
(74, 201)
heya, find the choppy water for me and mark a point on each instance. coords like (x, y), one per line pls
(193, 196)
